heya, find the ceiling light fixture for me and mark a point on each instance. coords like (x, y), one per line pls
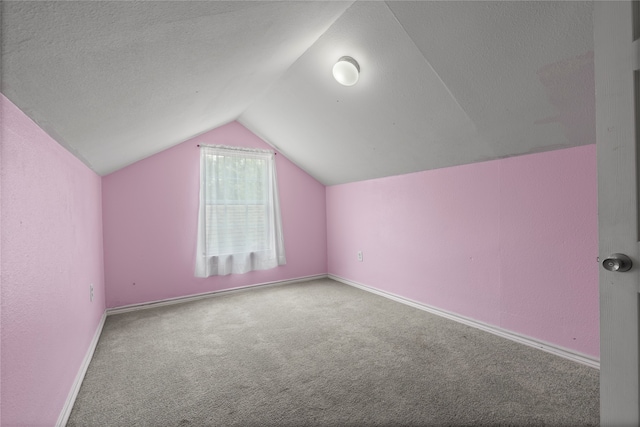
(346, 71)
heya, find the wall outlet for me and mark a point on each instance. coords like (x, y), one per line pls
(360, 256)
(91, 292)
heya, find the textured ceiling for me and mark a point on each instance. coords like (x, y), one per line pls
(442, 83)
(115, 82)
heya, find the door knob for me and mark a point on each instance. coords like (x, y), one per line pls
(617, 262)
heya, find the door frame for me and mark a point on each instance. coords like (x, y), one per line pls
(616, 64)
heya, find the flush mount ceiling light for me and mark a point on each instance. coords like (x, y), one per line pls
(346, 71)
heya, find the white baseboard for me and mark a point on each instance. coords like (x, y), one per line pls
(179, 300)
(513, 336)
(75, 388)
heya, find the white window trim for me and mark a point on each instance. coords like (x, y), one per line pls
(218, 265)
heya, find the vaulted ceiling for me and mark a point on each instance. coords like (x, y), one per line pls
(441, 83)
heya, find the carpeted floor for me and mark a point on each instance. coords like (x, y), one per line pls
(321, 353)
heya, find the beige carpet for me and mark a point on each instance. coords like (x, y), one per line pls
(326, 354)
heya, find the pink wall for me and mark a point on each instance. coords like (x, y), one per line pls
(150, 212)
(512, 242)
(51, 252)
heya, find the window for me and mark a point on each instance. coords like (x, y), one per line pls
(239, 226)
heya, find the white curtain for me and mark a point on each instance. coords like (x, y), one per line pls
(239, 224)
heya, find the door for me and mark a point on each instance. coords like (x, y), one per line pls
(617, 82)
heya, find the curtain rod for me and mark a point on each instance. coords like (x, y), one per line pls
(239, 148)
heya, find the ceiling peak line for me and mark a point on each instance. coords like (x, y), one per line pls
(284, 73)
(386, 3)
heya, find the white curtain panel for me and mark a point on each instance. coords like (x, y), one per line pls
(239, 224)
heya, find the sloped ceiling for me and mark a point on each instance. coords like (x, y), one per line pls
(441, 84)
